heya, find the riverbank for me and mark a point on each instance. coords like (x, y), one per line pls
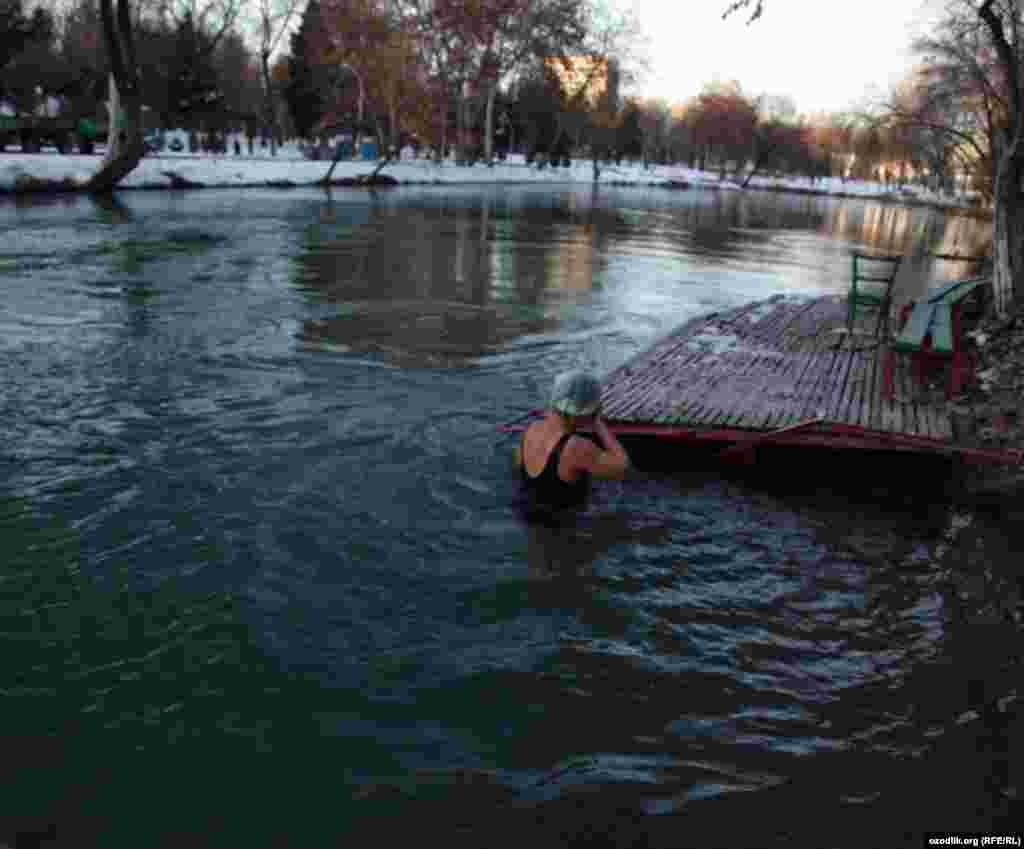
(28, 173)
(990, 412)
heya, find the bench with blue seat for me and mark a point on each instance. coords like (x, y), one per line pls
(930, 332)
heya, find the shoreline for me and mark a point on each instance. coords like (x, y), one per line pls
(26, 175)
(44, 188)
(991, 413)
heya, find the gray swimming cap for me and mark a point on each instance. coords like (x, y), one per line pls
(576, 393)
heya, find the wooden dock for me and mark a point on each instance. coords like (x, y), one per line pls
(780, 371)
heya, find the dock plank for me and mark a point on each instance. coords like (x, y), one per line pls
(854, 397)
(872, 413)
(903, 395)
(737, 406)
(800, 342)
(814, 387)
(835, 405)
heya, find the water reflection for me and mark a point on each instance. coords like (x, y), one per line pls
(914, 233)
(444, 277)
(416, 286)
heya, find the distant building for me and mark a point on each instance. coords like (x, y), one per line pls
(595, 80)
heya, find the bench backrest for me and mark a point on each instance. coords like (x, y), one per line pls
(956, 291)
(877, 271)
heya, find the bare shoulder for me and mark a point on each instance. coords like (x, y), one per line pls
(526, 437)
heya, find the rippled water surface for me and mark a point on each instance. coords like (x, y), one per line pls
(263, 582)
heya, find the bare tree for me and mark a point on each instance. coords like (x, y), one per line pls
(954, 100)
(518, 33)
(981, 55)
(274, 18)
(1004, 25)
(614, 52)
(124, 138)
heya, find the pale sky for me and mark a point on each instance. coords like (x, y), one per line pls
(825, 55)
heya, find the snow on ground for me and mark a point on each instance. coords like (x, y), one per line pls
(289, 165)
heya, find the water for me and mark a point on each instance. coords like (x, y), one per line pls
(262, 579)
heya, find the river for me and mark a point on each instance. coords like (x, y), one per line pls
(262, 579)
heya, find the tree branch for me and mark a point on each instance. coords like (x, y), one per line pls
(124, 29)
(913, 121)
(110, 34)
(745, 4)
(1006, 58)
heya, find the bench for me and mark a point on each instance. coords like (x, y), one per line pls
(871, 283)
(930, 332)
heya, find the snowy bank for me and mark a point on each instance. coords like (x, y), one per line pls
(25, 172)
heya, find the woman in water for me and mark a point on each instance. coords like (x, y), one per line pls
(555, 462)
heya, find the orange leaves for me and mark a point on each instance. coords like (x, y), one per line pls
(723, 117)
(364, 37)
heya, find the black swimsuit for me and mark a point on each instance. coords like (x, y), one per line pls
(548, 492)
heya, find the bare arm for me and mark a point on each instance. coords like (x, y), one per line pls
(611, 462)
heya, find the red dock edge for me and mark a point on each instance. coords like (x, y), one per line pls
(824, 435)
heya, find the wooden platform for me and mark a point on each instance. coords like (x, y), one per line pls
(768, 366)
(779, 371)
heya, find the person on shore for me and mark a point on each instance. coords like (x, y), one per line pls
(555, 462)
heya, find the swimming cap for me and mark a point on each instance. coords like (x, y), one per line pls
(576, 393)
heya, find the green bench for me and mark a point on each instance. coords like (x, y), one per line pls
(871, 281)
(930, 332)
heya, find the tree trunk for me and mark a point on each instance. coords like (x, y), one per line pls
(334, 164)
(122, 155)
(444, 135)
(386, 160)
(124, 141)
(1007, 232)
(396, 137)
(754, 170)
(268, 101)
(460, 127)
(357, 136)
(489, 125)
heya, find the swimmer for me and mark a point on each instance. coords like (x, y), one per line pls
(556, 463)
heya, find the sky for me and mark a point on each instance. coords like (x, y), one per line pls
(825, 55)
